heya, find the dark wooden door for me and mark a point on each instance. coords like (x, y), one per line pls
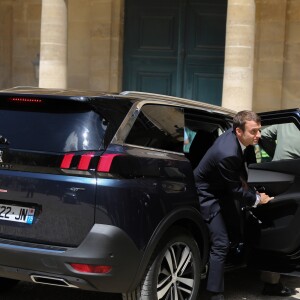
(175, 47)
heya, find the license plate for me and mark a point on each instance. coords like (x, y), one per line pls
(16, 213)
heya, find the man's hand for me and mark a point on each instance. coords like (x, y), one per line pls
(264, 198)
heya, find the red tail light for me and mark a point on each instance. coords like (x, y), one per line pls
(22, 99)
(85, 161)
(66, 162)
(85, 268)
(83, 164)
(105, 162)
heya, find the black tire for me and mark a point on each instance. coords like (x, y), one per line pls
(179, 255)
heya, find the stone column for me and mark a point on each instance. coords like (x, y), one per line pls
(239, 55)
(270, 57)
(291, 75)
(53, 56)
(6, 43)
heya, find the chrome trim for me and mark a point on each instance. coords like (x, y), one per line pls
(126, 125)
(154, 149)
(131, 116)
(188, 102)
(60, 281)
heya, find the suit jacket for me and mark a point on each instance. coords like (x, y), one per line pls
(221, 175)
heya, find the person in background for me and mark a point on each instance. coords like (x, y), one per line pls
(281, 141)
(188, 138)
(220, 179)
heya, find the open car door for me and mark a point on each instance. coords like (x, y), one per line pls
(273, 230)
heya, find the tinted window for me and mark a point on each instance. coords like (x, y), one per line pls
(55, 124)
(158, 126)
(50, 131)
(201, 130)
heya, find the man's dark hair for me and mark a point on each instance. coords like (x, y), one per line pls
(241, 117)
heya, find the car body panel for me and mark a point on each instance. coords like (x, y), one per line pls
(147, 187)
(45, 193)
(103, 245)
(117, 217)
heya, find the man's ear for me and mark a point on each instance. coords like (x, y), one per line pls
(238, 132)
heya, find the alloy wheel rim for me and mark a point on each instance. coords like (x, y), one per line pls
(176, 274)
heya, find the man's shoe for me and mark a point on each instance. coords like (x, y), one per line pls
(277, 289)
(217, 296)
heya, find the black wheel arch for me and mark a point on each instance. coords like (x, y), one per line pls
(187, 219)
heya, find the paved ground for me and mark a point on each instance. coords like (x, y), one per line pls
(240, 285)
(245, 285)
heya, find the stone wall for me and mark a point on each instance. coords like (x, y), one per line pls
(19, 42)
(277, 55)
(95, 44)
(95, 47)
(5, 43)
(291, 71)
(239, 55)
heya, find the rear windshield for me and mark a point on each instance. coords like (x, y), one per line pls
(56, 128)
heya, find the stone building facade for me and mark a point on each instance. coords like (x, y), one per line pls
(80, 44)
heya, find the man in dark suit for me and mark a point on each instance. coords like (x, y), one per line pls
(220, 180)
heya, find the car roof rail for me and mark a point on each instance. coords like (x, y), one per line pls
(153, 96)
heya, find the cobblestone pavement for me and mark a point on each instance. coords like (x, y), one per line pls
(239, 285)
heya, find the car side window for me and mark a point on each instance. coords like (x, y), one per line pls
(201, 130)
(158, 126)
(278, 142)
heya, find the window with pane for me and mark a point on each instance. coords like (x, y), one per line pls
(158, 126)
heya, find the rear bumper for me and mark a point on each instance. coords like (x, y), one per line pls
(104, 245)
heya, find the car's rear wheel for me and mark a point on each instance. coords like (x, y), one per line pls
(173, 274)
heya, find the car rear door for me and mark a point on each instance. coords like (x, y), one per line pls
(273, 229)
(48, 152)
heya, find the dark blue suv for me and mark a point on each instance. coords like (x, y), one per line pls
(97, 193)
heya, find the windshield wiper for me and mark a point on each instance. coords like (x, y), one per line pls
(3, 140)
